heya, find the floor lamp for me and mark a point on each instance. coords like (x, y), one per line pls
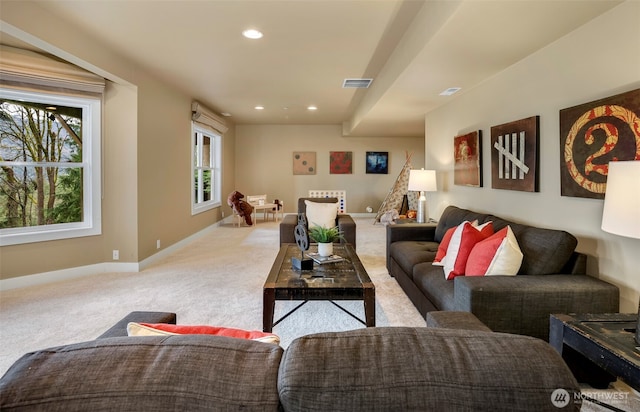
(621, 213)
(422, 181)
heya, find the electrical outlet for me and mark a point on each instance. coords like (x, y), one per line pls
(158, 244)
(116, 254)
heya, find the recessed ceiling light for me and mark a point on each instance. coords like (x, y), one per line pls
(252, 34)
(225, 114)
(312, 108)
(450, 91)
(259, 107)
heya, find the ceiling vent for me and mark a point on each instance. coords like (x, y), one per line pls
(356, 83)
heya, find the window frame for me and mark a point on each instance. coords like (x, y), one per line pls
(197, 204)
(91, 166)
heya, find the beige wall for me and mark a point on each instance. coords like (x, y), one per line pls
(146, 157)
(584, 66)
(264, 155)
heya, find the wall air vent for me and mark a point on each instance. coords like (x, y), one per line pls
(356, 83)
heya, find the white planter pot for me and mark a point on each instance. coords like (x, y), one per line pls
(325, 249)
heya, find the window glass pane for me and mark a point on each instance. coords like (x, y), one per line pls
(36, 196)
(36, 132)
(206, 151)
(206, 177)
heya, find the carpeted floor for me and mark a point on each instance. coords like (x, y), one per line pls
(216, 280)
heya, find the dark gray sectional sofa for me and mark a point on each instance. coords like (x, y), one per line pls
(372, 369)
(551, 279)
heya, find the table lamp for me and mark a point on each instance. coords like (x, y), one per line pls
(422, 181)
(621, 213)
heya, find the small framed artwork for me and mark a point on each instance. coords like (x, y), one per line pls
(468, 159)
(304, 163)
(378, 162)
(514, 155)
(593, 134)
(340, 163)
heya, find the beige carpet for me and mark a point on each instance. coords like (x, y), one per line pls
(215, 280)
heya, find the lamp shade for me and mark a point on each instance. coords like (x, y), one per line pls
(422, 180)
(621, 213)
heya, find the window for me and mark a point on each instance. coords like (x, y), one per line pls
(49, 166)
(207, 181)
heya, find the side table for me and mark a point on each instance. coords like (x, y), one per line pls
(598, 348)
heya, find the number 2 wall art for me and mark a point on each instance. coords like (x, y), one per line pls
(592, 135)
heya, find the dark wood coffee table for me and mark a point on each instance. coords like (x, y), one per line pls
(598, 348)
(346, 280)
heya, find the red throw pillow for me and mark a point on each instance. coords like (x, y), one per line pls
(463, 240)
(498, 254)
(147, 329)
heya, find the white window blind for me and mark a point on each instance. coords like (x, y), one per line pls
(25, 69)
(206, 117)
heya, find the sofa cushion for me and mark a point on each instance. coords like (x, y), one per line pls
(167, 329)
(409, 253)
(546, 251)
(499, 254)
(431, 281)
(185, 372)
(405, 369)
(452, 216)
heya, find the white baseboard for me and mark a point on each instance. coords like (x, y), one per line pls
(66, 274)
(98, 268)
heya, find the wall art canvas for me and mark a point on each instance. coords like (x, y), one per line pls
(514, 155)
(378, 162)
(592, 135)
(304, 163)
(467, 150)
(340, 163)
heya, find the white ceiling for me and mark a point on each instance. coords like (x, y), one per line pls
(412, 49)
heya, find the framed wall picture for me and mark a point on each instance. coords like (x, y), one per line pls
(592, 135)
(304, 163)
(378, 162)
(467, 150)
(514, 155)
(340, 163)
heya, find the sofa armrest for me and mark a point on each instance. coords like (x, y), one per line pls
(522, 304)
(408, 231)
(287, 227)
(347, 226)
(120, 328)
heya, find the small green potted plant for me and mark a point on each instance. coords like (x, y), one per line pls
(325, 238)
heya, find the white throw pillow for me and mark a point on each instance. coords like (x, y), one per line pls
(321, 214)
